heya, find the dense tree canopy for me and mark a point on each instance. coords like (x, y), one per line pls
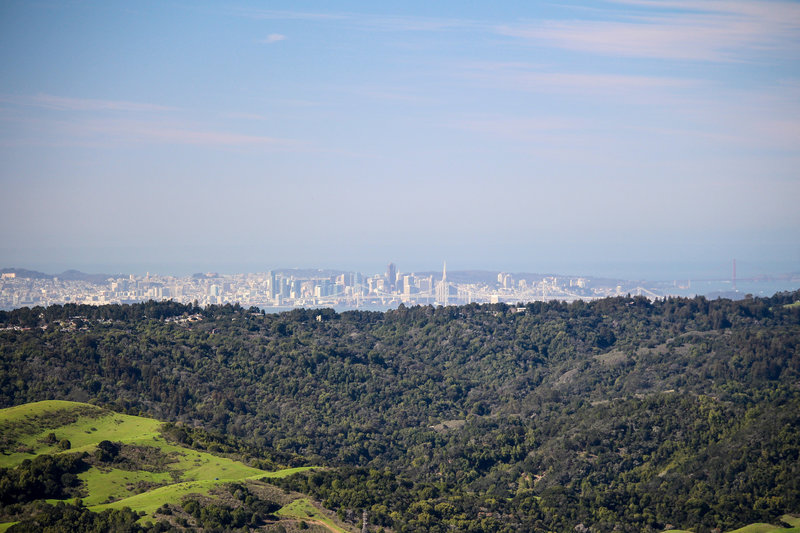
(622, 412)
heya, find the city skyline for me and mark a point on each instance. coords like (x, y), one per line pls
(635, 139)
(278, 290)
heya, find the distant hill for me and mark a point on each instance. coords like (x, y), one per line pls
(67, 275)
(25, 273)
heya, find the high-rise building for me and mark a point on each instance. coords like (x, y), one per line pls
(296, 289)
(408, 284)
(391, 275)
(443, 288)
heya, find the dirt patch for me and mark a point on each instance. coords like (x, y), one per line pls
(612, 358)
(661, 349)
(449, 424)
(567, 376)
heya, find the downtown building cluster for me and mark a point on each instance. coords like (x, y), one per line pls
(281, 289)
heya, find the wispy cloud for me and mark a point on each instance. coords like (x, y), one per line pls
(272, 14)
(244, 116)
(776, 11)
(98, 123)
(711, 30)
(734, 123)
(705, 31)
(519, 76)
(392, 94)
(189, 136)
(100, 133)
(62, 103)
(369, 21)
(551, 129)
(273, 38)
(406, 23)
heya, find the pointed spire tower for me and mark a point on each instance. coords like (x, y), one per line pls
(443, 289)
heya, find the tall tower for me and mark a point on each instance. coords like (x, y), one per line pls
(443, 289)
(391, 276)
(273, 284)
(734, 274)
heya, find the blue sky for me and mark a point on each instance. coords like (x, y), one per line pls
(662, 136)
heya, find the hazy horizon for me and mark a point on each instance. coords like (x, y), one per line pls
(650, 271)
(628, 139)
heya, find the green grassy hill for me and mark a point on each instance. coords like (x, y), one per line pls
(792, 521)
(147, 473)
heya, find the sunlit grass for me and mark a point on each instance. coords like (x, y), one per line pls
(83, 434)
(187, 471)
(303, 509)
(791, 520)
(115, 484)
(758, 528)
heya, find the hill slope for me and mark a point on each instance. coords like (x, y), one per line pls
(124, 461)
(623, 413)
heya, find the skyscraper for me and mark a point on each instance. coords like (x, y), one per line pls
(273, 284)
(391, 276)
(443, 288)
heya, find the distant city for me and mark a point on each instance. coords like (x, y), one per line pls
(283, 289)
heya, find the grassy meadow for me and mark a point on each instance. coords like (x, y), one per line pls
(303, 509)
(792, 521)
(163, 473)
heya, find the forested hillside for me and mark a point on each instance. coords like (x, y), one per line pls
(617, 414)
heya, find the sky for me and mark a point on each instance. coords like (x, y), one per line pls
(639, 138)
